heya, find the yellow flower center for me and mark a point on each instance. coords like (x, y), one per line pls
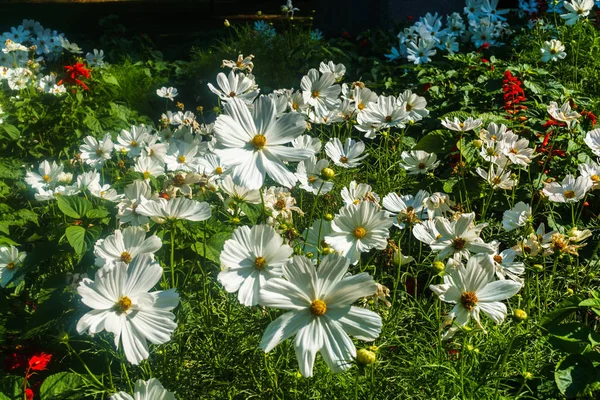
(260, 262)
(468, 300)
(318, 307)
(146, 175)
(344, 160)
(46, 178)
(10, 265)
(312, 179)
(126, 257)
(514, 151)
(181, 159)
(231, 94)
(133, 143)
(218, 170)
(259, 141)
(459, 243)
(421, 165)
(409, 107)
(595, 178)
(315, 93)
(498, 258)
(361, 106)
(295, 106)
(123, 304)
(569, 194)
(388, 118)
(496, 180)
(359, 232)
(99, 152)
(280, 204)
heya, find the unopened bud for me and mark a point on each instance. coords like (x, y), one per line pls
(328, 250)
(477, 143)
(438, 266)
(328, 217)
(365, 357)
(520, 315)
(327, 173)
(226, 24)
(538, 267)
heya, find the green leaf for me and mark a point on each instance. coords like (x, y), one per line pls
(108, 78)
(214, 245)
(252, 211)
(72, 206)
(572, 337)
(76, 237)
(11, 387)
(11, 130)
(97, 213)
(61, 386)
(449, 184)
(563, 310)
(574, 374)
(438, 141)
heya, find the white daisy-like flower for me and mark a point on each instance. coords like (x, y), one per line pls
(149, 166)
(420, 51)
(418, 162)
(280, 203)
(181, 182)
(570, 190)
(182, 157)
(426, 232)
(497, 177)
(592, 139)
(310, 174)
(592, 172)
(346, 155)
(162, 210)
(414, 105)
(135, 193)
(438, 204)
(88, 180)
(553, 50)
(95, 59)
(382, 114)
(407, 209)
(11, 260)
(106, 192)
(459, 237)
(235, 86)
(122, 304)
(505, 265)
(320, 90)
(125, 245)
(307, 142)
(338, 70)
(357, 192)
(132, 142)
(517, 150)
(249, 259)
(95, 153)
(146, 390)
(46, 176)
(563, 113)
(359, 228)
(457, 125)
(362, 97)
(71, 47)
(576, 10)
(254, 142)
(516, 216)
(473, 289)
(242, 63)
(238, 193)
(167, 93)
(320, 313)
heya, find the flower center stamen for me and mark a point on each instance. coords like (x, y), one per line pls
(260, 262)
(46, 178)
(459, 243)
(318, 307)
(259, 141)
(10, 265)
(123, 305)
(181, 159)
(126, 257)
(468, 300)
(359, 232)
(569, 194)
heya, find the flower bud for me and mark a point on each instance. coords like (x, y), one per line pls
(309, 255)
(438, 266)
(477, 143)
(226, 24)
(365, 357)
(570, 292)
(328, 217)
(235, 220)
(327, 174)
(328, 250)
(538, 267)
(527, 375)
(259, 13)
(520, 315)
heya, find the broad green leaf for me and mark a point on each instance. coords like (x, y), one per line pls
(572, 337)
(76, 237)
(74, 207)
(61, 386)
(11, 130)
(11, 387)
(563, 310)
(252, 211)
(438, 141)
(97, 213)
(212, 249)
(108, 78)
(573, 374)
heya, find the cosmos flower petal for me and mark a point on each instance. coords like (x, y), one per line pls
(283, 328)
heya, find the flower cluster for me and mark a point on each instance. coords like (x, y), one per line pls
(513, 93)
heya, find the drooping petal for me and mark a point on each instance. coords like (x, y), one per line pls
(309, 340)
(283, 328)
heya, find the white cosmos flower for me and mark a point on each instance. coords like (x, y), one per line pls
(553, 50)
(591, 171)
(359, 228)
(420, 51)
(241, 63)
(438, 204)
(414, 105)
(577, 9)
(346, 155)
(407, 209)
(239, 193)
(357, 192)
(426, 232)
(47, 175)
(516, 216)
(95, 153)
(167, 93)
(320, 313)
(122, 304)
(95, 59)
(592, 139)
(88, 180)
(457, 125)
(181, 181)
(497, 177)
(382, 114)
(460, 237)
(211, 165)
(161, 210)
(563, 114)
(182, 157)
(135, 193)
(249, 259)
(418, 162)
(235, 86)
(570, 190)
(146, 390)
(309, 173)
(11, 260)
(254, 143)
(307, 142)
(132, 143)
(280, 203)
(338, 70)
(319, 90)
(362, 97)
(473, 289)
(125, 245)
(149, 166)
(505, 265)
(517, 150)
(106, 192)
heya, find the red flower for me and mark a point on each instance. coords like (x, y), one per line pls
(553, 122)
(513, 92)
(484, 46)
(74, 72)
(590, 115)
(426, 86)
(485, 60)
(29, 394)
(39, 362)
